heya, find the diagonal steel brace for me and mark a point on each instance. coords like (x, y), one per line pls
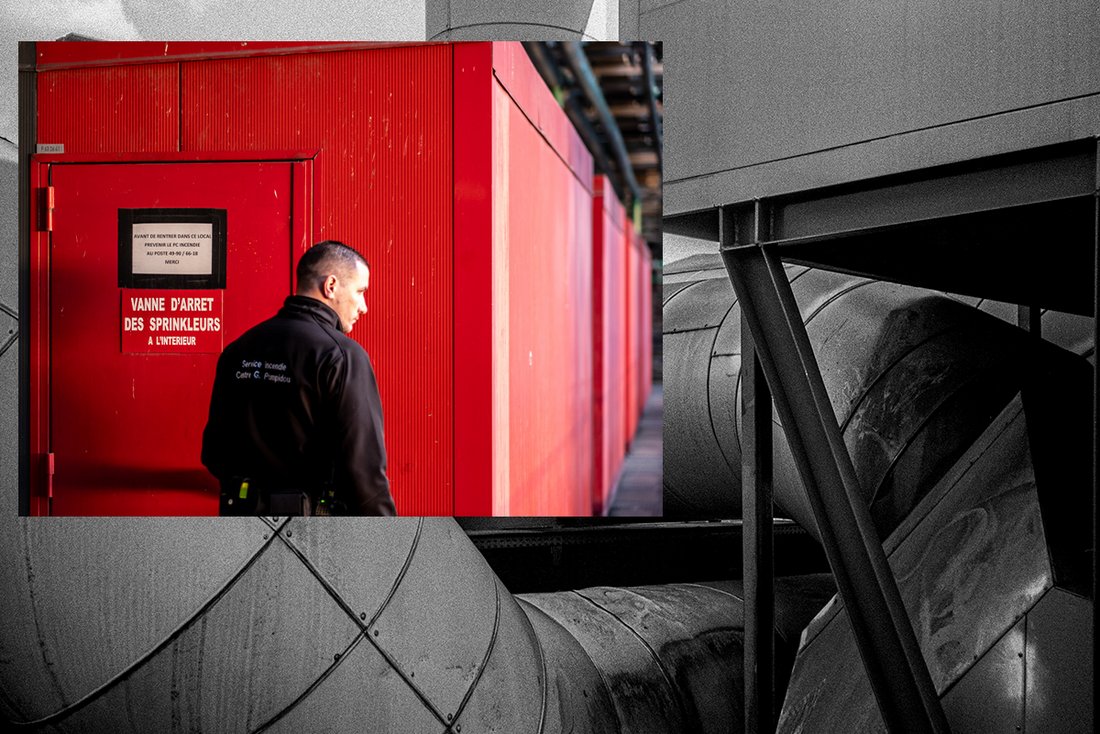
(883, 633)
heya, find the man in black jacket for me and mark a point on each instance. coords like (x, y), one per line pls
(295, 422)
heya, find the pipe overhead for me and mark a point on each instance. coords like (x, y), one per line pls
(567, 97)
(582, 71)
(651, 96)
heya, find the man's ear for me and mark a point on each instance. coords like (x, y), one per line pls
(328, 288)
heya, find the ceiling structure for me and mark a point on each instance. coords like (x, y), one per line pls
(626, 109)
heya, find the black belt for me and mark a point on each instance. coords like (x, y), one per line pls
(248, 497)
(284, 503)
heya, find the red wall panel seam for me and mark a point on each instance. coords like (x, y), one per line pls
(538, 130)
(67, 56)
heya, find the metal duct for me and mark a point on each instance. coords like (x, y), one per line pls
(139, 625)
(914, 378)
(578, 64)
(983, 576)
(571, 103)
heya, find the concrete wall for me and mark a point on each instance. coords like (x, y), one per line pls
(763, 98)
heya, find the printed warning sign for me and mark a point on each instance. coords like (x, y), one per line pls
(171, 322)
(172, 248)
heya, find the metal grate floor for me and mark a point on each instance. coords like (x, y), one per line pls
(639, 490)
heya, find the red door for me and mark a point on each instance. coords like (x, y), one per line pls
(137, 322)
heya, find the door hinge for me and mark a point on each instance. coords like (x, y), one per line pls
(48, 207)
(49, 475)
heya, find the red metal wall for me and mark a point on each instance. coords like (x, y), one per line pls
(476, 474)
(126, 109)
(473, 207)
(88, 111)
(647, 325)
(542, 297)
(381, 120)
(144, 459)
(642, 333)
(630, 384)
(609, 333)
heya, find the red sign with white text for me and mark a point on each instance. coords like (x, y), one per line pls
(171, 322)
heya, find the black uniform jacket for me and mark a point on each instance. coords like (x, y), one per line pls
(295, 406)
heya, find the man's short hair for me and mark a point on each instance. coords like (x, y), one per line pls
(325, 259)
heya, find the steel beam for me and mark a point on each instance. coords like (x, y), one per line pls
(1095, 427)
(651, 95)
(1030, 319)
(883, 633)
(28, 107)
(969, 187)
(991, 253)
(701, 225)
(758, 566)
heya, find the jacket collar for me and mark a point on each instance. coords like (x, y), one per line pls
(310, 307)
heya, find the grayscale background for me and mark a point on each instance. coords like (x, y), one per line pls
(862, 89)
(58, 569)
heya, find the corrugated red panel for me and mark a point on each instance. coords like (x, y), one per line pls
(646, 363)
(609, 332)
(488, 306)
(110, 110)
(542, 315)
(641, 335)
(521, 81)
(630, 389)
(126, 427)
(101, 53)
(628, 335)
(478, 478)
(383, 180)
(645, 336)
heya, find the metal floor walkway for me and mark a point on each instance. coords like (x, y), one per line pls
(639, 491)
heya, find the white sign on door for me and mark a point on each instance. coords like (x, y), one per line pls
(173, 248)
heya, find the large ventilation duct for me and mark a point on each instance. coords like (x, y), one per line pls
(913, 377)
(359, 625)
(993, 567)
(971, 440)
